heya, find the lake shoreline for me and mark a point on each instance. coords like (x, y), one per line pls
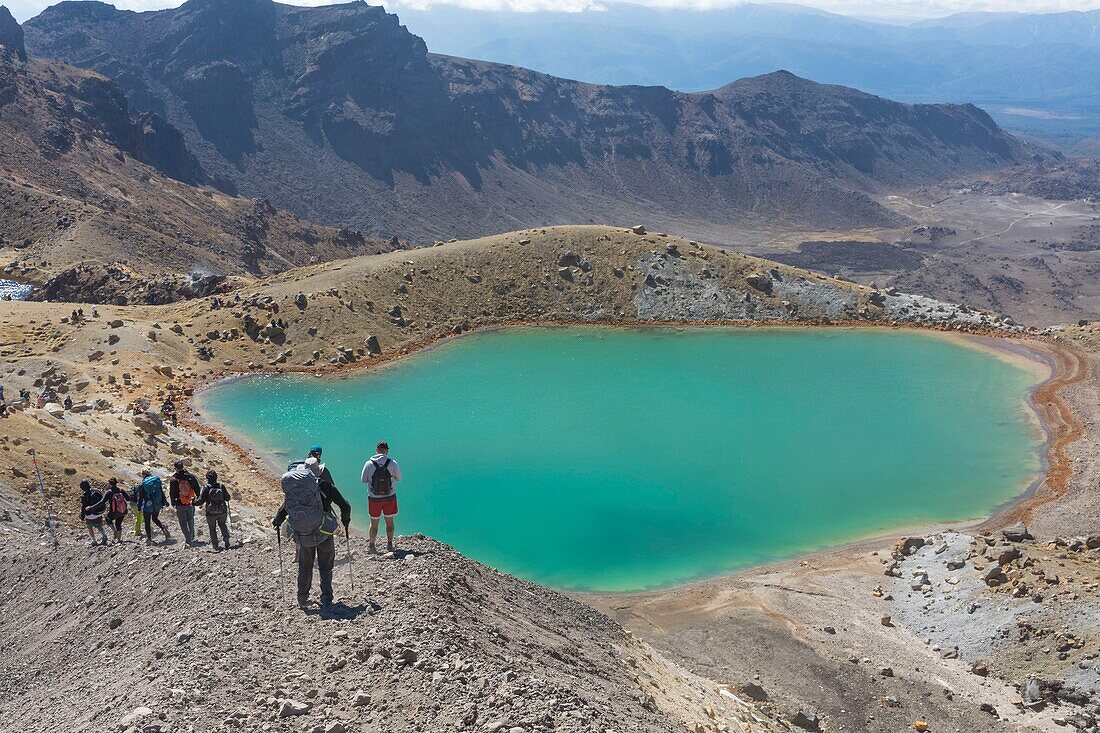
(1031, 353)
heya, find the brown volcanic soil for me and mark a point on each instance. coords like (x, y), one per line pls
(172, 639)
(769, 622)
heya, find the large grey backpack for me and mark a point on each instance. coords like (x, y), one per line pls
(311, 524)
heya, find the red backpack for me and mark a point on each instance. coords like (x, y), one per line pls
(119, 505)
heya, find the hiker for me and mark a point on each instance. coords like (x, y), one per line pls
(381, 473)
(135, 501)
(68, 404)
(307, 504)
(215, 502)
(183, 490)
(315, 452)
(118, 503)
(168, 409)
(92, 510)
(151, 493)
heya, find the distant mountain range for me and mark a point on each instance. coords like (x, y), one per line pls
(1034, 72)
(340, 115)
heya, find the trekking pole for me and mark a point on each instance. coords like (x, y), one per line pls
(282, 582)
(46, 498)
(347, 551)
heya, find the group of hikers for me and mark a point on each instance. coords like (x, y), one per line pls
(309, 495)
(108, 507)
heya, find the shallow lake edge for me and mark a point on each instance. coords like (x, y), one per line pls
(1031, 354)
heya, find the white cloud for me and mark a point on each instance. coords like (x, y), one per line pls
(24, 9)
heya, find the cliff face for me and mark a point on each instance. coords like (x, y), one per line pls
(339, 114)
(11, 35)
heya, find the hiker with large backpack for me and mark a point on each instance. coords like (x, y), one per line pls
(215, 502)
(118, 504)
(93, 507)
(151, 498)
(183, 490)
(307, 506)
(381, 474)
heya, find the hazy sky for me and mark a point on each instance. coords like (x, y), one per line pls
(23, 9)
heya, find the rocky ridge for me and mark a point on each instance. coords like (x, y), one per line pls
(323, 110)
(172, 639)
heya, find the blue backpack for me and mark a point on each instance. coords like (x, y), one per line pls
(152, 492)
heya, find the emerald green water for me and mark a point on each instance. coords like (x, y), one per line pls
(612, 459)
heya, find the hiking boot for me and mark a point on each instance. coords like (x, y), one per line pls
(303, 603)
(372, 549)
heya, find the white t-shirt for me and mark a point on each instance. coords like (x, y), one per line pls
(372, 465)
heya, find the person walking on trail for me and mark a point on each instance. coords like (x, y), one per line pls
(151, 497)
(139, 516)
(183, 490)
(93, 508)
(118, 504)
(307, 505)
(381, 473)
(214, 500)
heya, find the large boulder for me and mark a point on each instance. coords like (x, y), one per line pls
(1016, 533)
(150, 423)
(760, 281)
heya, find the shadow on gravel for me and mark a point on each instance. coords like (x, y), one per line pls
(345, 612)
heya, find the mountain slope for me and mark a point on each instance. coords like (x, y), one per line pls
(340, 115)
(98, 204)
(426, 640)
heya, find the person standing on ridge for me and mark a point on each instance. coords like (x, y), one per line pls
(151, 497)
(381, 473)
(183, 490)
(307, 503)
(215, 500)
(93, 507)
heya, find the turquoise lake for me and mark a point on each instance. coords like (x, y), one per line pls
(626, 459)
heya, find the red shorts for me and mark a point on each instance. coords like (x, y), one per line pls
(377, 507)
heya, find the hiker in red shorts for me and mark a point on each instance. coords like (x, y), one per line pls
(381, 473)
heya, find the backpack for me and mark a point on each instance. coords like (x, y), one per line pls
(305, 511)
(381, 481)
(216, 505)
(119, 505)
(152, 494)
(188, 491)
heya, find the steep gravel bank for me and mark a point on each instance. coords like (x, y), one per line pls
(174, 639)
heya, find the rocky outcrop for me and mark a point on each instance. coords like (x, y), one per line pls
(11, 35)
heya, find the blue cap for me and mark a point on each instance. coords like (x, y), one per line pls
(315, 449)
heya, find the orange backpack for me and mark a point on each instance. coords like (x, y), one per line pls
(187, 492)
